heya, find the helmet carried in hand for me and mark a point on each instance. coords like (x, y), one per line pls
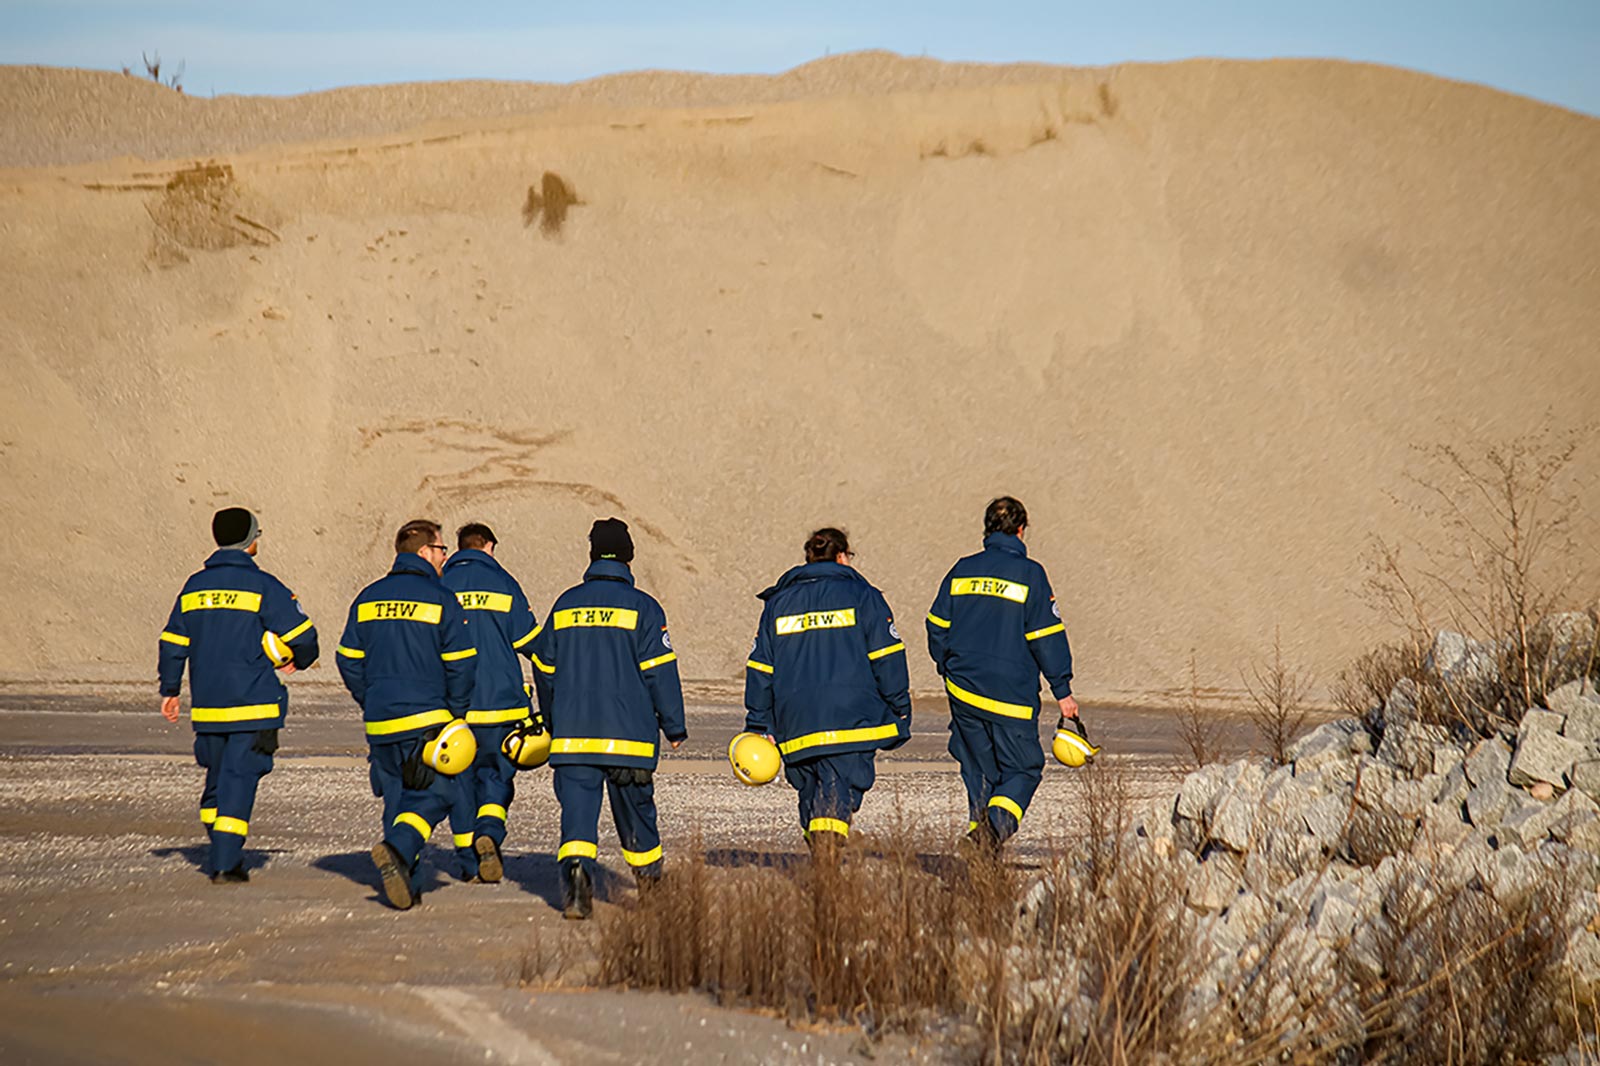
(754, 758)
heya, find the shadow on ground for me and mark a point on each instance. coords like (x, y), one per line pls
(199, 856)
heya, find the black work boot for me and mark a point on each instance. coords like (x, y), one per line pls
(490, 868)
(396, 878)
(235, 876)
(648, 878)
(577, 893)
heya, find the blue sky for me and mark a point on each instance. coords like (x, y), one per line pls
(1547, 49)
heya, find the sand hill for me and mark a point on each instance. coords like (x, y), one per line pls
(1194, 315)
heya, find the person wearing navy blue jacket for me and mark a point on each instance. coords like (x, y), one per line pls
(502, 627)
(216, 628)
(827, 681)
(607, 677)
(994, 628)
(406, 657)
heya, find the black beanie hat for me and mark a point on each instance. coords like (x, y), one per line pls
(609, 539)
(234, 527)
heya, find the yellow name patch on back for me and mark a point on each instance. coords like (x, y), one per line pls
(220, 600)
(400, 611)
(612, 617)
(801, 623)
(485, 601)
(1014, 591)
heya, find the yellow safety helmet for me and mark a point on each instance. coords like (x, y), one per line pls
(755, 759)
(1071, 747)
(453, 750)
(526, 747)
(277, 651)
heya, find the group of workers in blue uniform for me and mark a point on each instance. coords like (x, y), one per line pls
(431, 653)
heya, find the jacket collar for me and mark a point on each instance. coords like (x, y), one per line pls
(1006, 542)
(471, 555)
(231, 557)
(608, 570)
(412, 563)
(805, 572)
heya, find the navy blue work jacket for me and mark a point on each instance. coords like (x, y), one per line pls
(827, 673)
(502, 626)
(406, 655)
(216, 627)
(994, 628)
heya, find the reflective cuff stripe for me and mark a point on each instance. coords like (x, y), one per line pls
(492, 810)
(543, 669)
(642, 858)
(351, 653)
(257, 711)
(208, 815)
(984, 703)
(837, 736)
(763, 667)
(577, 849)
(659, 660)
(409, 722)
(881, 652)
(1046, 631)
(531, 634)
(828, 825)
(237, 826)
(971, 826)
(457, 656)
(940, 622)
(296, 631)
(601, 746)
(463, 840)
(1005, 803)
(174, 638)
(510, 714)
(415, 821)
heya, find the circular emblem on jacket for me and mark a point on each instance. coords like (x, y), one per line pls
(666, 641)
(893, 632)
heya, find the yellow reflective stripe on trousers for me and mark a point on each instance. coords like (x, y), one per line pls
(659, 660)
(1046, 631)
(828, 825)
(208, 815)
(252, 713)
(541, 667)
(219, 600)
(411, 721)
(492, 810)
(175, 638)
(415, 821)
(763, 667)
(984, 703)
(457, 656)
(296, 631)
(837, 736)
(881, 652)
(463, 840)
(485, 601)
(1005, 803)
(642, 858)
(580, 849)
(531, 634)
(351, 653)
(601, 746)
(942, 623)
(510, 714)
(237, 826)
(399, 611)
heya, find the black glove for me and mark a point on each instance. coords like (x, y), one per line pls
(416, 774)
(622, 776)
(266, 742)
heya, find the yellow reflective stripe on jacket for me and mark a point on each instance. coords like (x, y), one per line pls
(801, 623)
(942, 623)
(642, 858)
(541, 667)
(175, 638)
(608, 617)
(254, 712)
(763, 667)
(890, 650)
(457, 656)
(984, 703)
(415, 821)
(581, 849)
(485, 601)
(296, 631)
(492, 810)
(237, 826)
(1014, 591)
(531, 634)
(219, 600)
(1006, 803)
(601, 746)
(1046, 631)
(828, 825)
(420, 720)
(510, 714)
(399, 611)
(659, 660)
(351, 653)
(838, 736)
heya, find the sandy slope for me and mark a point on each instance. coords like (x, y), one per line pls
(1193, 315)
